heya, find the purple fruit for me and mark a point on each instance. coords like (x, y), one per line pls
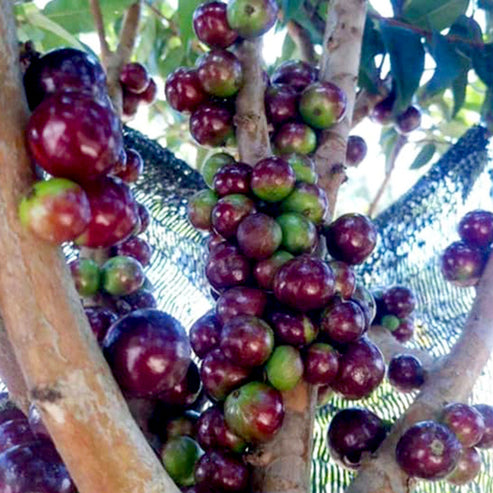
(227, 267)
(15, 432)
(383, 111)
(296, 329)
(345, 278)
(184, 92)
(406, 373)
(462, 264)
(281, 103)
(405, 330)
(10, 412)
(467, 467)
(240, 301)
(476, 228)
(399, 301)
(232, 178)
(265, 270)
(343, 321)
(428, 450)
(295, 73)
(211, 25)
(465, 421)
(408, 121)
(148, 352)
(100, 319)
(213, 164)
(186, 391)
(204, 334)
(211, 125)
(137, 300)
(200, 208)
(356, 150)
(259, 236)
(134, 77)
(273, 179)
(487, 414)
(321, 364)
(295, 138)
(229, 212)
(36, 423)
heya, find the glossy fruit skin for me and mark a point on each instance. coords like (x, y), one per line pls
(232, 178)
(273, 179)
(476, 228)
(321, 364)
(265, 270)
(179, 456)
(186, 391)
(486, 411)
(352, 432)
(227, 267)
(408, 121)
(467, 468)
(356, 150)
(343, 321)
(259, 236)
(281, 103)
(34, 467)
(137, 300)
(303, 167)
(309, 200)
(212, 125)
(428, 450)
(295, 73)
(345, 278)
(220, 376)
(229, 212)
(255, 412)
(382, 112)
(70, 135)
(246, 340)
(284, 368)
(114, 213)
(64, 70)
(213, 164)
(465, 421)
(211, 25)
(15, 432)
(220, 73)
(299, 234)
(204, 334)
(10, 413)
(134, 77)
(55, 210)
(241, 300)
(121, 275)
(462, 264)
(144, 218)
(366, 301)
(141, 338)
(184, 92)
(86, 275)
(296, 329)
(322, 104)
(36, 423)
(137, 248)
(361, 370)
(150, 93)
(295, 138)
(133, 168)
(351, 238)
(130, 104)
(405, 331)
(399, 301)
(251, 18)
(200, 208)
(406, 372)
(304, 283)
(100, 319)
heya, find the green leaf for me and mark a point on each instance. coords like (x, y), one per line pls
(290, 8)
(459, 87)
(172, 60)
(482, 62)
(433, 14)
(397, 6)
(407, 59)
(372, 45)
(485, 4)
(184, 16)
(288, 48)
(388, 141)
(424, 156)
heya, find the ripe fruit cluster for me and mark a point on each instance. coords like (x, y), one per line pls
(463, 261)
(137, 88)
(405, 122)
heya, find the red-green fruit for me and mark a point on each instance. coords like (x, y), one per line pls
(406, 373)
(408, 121)
(352, 432)
(345, 278)
(428, 450)
(296, 329)
(467, 468)
(284, 368)
(299, 234)
(361, 370)
(295, 138)
(114, 213)
(252, 18)
(133, 167)
(304, 283)
(241, 300)
(186, 391)
(487, 414)
(212, 125)
(136, 247)
(211, 25)
(399, 301)
(465, 421)
(356, 150)
(322, 104)
(308, 200)
(179, 456)
(220, 73)
(232, 178)
(462, 264)
(86, 275)
(229, 212)
(184, 91)
(273, 179)
(247, 340)
(351, 238)
(295, 73)
(200, 208)
(255, 412)
(265, 270)
(73, 136)
(220, 375)
(213, 164)
(204, 334)
(122, 275)
(303, 167)
(321, 364)
(227, 267)
(134, 77)
(185, 424)
(343, 321)
(476, 228)
(281, 103)
(55, 210)
(148, 352)
(259, 236)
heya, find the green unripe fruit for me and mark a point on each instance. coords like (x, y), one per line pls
(298, 233)
(251, 18)
(122, 275)
(213, 164)
(86, 275)
(284, 368)
(179, 456)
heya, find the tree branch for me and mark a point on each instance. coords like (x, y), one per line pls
(63, 367)
(451, 381)
(365, 102)
(302, 40)
(340, 65)
(99, 23)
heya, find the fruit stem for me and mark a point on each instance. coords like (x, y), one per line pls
(99, 23)
(301, 38)
(340, 65)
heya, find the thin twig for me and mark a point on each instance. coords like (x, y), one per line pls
(301, 38)
(99, 23)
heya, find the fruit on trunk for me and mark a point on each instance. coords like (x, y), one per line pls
(352, 432)
(212, 125)
(345, 278)
(135, 301)
(232, 178)
(309, 200)
(273, 179)
(465, 421)
(428, 450)
(295, 73)
(179, 456)
(200, 208)
(211, 26)
(399, 301)
(299, 234)
(36, 423)
(408, 121)
(487, 414)
(15, 432)
(383, 111)
(476, 228)
(186, 391)
(204, 334)
(295, 138)
(229, 212)
(144, 218)
(213, 164)
(185, 424)
(467, 467)
(255, 412)
(220, 73)
(321, 364)
(405, 330)
(356, 150)
(86, 275)
(100, 319)
(304, 283)
(406, 373)
(462, 264)
(148, 352)
(184, 92)
(343, 321)
(366, 301)
(281, 103)
(55, 210)
(259, 236)
(284, 368)
(134, 77)
(227, 267)
(296, 329)
(133, 168)
(251, 18)
(137, 248)
(241, 300)
(121, 275)
(303, 167)
(265, 270)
